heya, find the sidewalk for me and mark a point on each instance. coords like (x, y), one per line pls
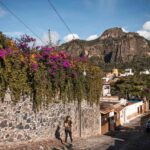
(92, 143)
(102, 142)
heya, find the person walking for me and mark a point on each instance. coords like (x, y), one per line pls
(68, 126)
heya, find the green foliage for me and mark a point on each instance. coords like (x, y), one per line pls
(3, 40)
(56, 77)
(137, 85)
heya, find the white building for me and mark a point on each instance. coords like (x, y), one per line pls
(131, 111)
(146, 71)
(128, 72)
(106, 90)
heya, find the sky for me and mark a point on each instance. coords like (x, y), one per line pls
(87, 19)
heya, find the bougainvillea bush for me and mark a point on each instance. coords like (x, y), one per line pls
(46, 74)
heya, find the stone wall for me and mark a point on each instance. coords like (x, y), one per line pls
(20, 123)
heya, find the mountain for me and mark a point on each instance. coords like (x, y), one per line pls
(112, 46)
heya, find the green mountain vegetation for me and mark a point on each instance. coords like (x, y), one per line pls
(137, 64)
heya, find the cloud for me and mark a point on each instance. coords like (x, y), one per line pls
(70, 37)
(2, 12)
(145, 31)
(124, 30)
(45, 38)
(92, 37)
(13, 34)
(53, 35)
(146, 26)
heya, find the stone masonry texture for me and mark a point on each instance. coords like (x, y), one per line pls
(18, 122)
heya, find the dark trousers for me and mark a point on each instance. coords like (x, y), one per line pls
(68, 132)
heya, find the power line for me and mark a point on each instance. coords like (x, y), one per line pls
(21, 21)
(60, 17)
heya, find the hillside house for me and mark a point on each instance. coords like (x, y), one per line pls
(106, 89)
(131, 110)
(128, 72)
(115, 112)
(146, 71)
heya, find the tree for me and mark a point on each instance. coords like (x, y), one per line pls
(136, 85)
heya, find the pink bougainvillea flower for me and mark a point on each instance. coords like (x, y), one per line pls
(54, 67)
(34, 66)
(2, 53)
(27, 39)
(9, 51)
(38, 56)
(45, 53)
(64, 54)
(66, 64)
(47, 48)
(52, 72)
(54, 57)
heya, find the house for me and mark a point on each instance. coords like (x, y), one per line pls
(109, 76)
(115, 72)
(128, 72)
(110, 113)
(109, 99)
(132, 109)
(110, 117)
(106, 89)
(146, 71)
(115, 112)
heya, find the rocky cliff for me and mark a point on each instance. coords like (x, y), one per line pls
(113, 45)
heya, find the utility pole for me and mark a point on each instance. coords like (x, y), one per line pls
(50, 40)
(79, 112)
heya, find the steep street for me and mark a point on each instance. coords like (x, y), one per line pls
(130, 137)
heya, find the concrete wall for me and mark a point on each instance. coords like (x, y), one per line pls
(130, 111)
(19, 123)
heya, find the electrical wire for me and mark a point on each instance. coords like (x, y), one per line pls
(21, 21)
(60, 17)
